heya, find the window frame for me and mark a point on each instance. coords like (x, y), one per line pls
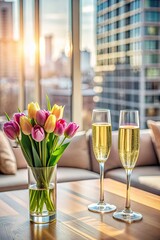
(76, 96)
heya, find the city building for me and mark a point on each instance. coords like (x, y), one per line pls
(9, 60)
(9, 48)
(128, 58)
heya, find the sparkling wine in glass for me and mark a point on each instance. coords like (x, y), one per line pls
(101, 141)
(128, 148)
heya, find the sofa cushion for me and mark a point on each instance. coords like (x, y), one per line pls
(147, 155)
(155, 134)
(20, 159)
(146, 178)
(66, 174)
(14, 182)
(7, 158)
(76, 155)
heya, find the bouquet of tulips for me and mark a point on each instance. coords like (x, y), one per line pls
(41, 135)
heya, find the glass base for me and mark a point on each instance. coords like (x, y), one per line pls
(42, 219)
(128, 217)
(101, 207)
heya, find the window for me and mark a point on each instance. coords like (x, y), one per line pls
(152, 72)
(9, 57)
(151, 44)
(107, 54)
(152, 16)
(29, 53)
(152, 85)
(151, 30)
(152, 3)
(55, 53)
(151, 112)
(151, 58)
(87, 47)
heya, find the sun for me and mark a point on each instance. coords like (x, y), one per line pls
(30, 51)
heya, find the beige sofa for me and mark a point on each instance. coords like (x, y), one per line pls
(78, 163)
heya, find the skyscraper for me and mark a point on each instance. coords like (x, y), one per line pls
(9, 48)
(9, 60)
(6, 20)
(128, 58)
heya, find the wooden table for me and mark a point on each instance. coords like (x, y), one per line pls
(74, 221)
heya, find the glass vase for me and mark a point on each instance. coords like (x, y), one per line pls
(42, 194)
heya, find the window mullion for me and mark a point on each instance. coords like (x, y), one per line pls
(37, 52)
(76, 73)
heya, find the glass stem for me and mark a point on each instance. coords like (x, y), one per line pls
(128, 203)
(101, 165)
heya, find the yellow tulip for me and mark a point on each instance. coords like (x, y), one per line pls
(26, 126)
(32, 109)
(50, 123)
(57, 111)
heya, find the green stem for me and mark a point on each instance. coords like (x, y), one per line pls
(61, 142)
(44, 145)
(40, 151)
(38, 199)
(55, 141)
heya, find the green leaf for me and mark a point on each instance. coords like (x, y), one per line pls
(50, 140)
(56, 155)
(27, 149)
(48, 103)
(37, 160)
(8, 118)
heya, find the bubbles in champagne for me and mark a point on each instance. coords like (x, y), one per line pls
(101, 140)
(128, 145)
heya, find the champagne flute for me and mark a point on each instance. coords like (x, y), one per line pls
(128, 148)
(101, 141)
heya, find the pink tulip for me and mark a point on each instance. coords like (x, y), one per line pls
(17, 116)
(60, 127)
(11, 129)
(70, 130)
(41, 117)
(38, 133)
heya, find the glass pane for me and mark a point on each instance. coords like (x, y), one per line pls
(55, 53)
(124, 54)
(29, 51)
(9, 57)
(88, 55)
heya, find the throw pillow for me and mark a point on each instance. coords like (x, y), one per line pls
(7, 158)
(20, 159)
(76, 154)
(155, 134)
